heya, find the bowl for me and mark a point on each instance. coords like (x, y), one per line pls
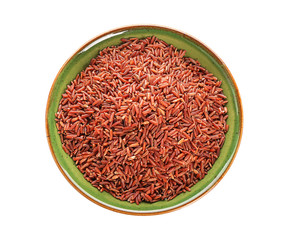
(195, 49)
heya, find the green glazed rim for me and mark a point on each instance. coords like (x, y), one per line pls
(195, 49)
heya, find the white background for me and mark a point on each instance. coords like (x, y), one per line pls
(37, 37)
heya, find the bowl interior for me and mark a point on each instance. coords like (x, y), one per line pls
(194, 49)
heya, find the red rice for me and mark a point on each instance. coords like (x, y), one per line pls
(142, 121)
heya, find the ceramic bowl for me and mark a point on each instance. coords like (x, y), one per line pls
(195, 49)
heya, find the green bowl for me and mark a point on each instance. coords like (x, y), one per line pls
(195, 49)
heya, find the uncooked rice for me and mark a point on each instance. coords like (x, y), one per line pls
(143, 122)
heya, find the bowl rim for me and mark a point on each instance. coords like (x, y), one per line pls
(125, 28)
